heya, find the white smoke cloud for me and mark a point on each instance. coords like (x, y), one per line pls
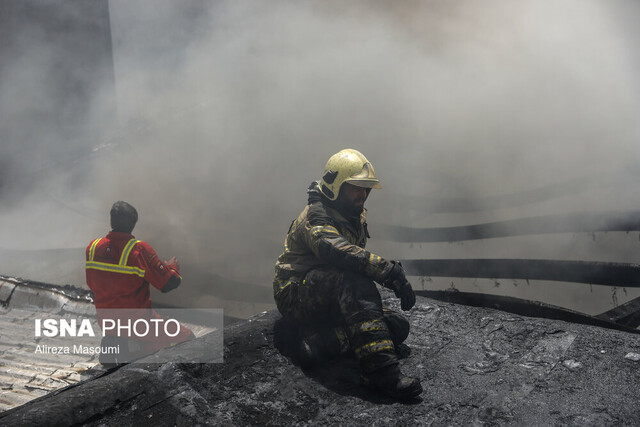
(227, 110)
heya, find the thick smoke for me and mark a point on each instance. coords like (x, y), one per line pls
(226, 111)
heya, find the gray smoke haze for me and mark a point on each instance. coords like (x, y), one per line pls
(226, 111)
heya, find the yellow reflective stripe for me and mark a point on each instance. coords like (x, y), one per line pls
(287, 283)
(176, 273)
(121, 267)
(374, 259)
(92, 250)
(323, 228)
(126, 251)
(369, 326)
(339, 242)
(284, 286)
(103, 266)
(374, 347)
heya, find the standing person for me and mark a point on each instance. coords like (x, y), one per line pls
(119, 269)
(326, 279)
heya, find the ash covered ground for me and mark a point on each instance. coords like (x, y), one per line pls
(478, 366)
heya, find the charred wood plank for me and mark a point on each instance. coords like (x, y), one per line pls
(595, 273)
(562, 223)
(627, 314)
(524, 308)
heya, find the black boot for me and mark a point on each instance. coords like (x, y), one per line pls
(391, 382)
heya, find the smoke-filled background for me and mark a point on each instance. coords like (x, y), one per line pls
(213, 117)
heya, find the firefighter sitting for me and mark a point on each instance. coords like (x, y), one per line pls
(325, 280)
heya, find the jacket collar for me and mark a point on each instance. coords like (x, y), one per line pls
(117, 235)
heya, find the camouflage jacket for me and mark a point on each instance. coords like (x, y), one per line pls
(321, 237)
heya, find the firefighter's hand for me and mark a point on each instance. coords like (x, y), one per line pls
(399, 284)
(405, 293)
(174, 262)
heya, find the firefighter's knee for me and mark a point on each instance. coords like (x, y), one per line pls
(361, 293)
(398, 325)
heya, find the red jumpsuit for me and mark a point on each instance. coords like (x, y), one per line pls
(119, 269)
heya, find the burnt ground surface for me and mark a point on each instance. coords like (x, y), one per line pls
(478, 366)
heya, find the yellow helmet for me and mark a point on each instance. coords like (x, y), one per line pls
(350, 166)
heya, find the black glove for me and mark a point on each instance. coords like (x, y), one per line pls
(398, 283)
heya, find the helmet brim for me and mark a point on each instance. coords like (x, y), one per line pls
(365, 183)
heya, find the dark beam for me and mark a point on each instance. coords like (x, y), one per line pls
(562, 223)
(595, 273)
(524, 308)
(627, 314)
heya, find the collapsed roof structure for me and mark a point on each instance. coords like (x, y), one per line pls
(479, 365)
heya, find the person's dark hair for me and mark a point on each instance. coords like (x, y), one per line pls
(123, 217)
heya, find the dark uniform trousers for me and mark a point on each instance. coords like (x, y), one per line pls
(347, 302)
